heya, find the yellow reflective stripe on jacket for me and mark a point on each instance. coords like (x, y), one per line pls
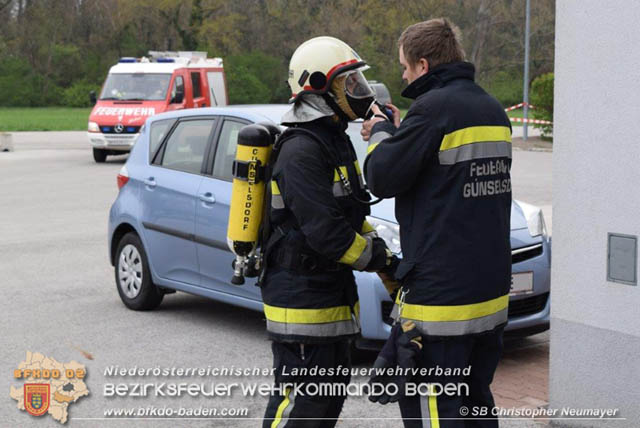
(336, 177)
(307, 316)
(359, 173)
(475, 134)
(275, 190)
(371, 147)
(367, 228)
(432, 313)
(277, 201)
(357, 166)
(358, 253)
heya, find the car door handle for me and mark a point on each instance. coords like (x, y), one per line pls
(208, 198)
(151, 182)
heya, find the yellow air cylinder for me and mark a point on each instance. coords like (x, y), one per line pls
(248, 191)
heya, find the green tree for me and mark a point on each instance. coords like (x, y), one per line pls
(542, 99)
(245, 88)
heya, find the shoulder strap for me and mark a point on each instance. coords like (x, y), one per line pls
(288, 134)
(292, 132)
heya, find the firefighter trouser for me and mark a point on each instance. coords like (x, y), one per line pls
(471, 406)
(294, 407)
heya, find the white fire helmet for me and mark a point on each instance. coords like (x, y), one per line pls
(317, 63)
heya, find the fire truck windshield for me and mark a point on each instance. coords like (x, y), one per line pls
(136, 87)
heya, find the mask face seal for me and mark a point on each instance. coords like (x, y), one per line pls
(353, 94)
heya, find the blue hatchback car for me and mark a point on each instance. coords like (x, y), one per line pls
(168, 225)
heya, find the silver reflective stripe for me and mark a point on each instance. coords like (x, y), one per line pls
(277, 202)
(361, 180)
(374, 234)
(491, 149)
(459, 328)
(339, 190)
(287, 411)
(378, 137)
(394, 311)
(365, 256)
(329, 329)
(425, 414)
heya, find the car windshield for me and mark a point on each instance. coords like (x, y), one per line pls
(136, 87)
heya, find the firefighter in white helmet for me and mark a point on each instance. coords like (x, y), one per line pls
(320, 234)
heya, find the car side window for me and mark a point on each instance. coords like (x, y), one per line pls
(226, 150)
(186, 146)
(158, 131)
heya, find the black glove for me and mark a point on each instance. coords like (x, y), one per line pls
(400, 350)
(392, 266)
(388, 275)
(386, 360)
(380, 256)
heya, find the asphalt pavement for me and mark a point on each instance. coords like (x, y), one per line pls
(61, 298)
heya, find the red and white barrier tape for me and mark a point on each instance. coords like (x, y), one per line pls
(538, 121)
(521, 120)
(517, 106)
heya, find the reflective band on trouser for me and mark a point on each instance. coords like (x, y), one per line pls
(277, 201)
(378, 137)
(323, 322)
(488, 149)
(475, 134)
(284, 409)
(457, 320)
(429, 411)
(359, 253)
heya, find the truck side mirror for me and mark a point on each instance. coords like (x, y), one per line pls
(92, 98)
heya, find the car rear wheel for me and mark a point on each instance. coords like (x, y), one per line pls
(99, 155)
(133, 278)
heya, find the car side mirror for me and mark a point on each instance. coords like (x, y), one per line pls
(179, 96)
(92, 98)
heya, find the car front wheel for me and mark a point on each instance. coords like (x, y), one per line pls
(133, 278)
(99, 155)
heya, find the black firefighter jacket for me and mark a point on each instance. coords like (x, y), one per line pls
(309, 290)
(448, 167)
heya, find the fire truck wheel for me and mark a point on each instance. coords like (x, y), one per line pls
(133, 278)
(99, 155)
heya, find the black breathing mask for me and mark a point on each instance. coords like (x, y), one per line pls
(353, 94)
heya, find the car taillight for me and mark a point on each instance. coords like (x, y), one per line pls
(123, 177)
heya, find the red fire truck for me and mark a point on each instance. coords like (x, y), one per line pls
(137, 88)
